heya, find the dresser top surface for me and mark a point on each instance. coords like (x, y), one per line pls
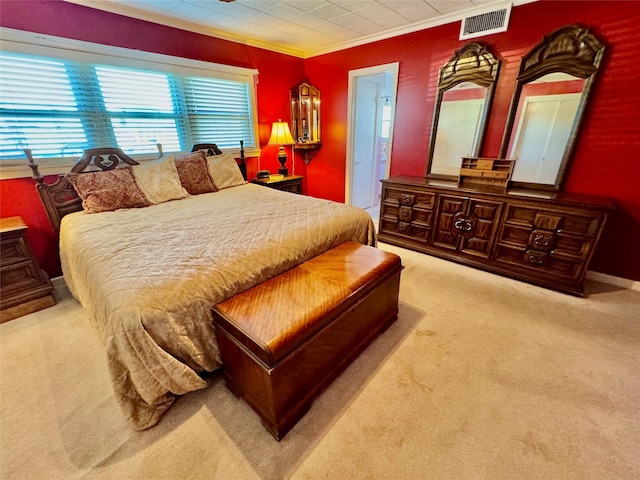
(269, 180)
(561, 197)
(10, 224)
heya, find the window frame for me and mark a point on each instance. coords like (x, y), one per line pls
(30, 43)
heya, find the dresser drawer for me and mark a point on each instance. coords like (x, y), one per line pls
(572, 223)
(407, 213)
(18, 277)
(408, 198)
(554, 267)
(13, 250)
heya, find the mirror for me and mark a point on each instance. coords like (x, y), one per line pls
(552, 89)
(465, 89)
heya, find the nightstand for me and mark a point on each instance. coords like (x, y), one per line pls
(24, 288)
(290, 183)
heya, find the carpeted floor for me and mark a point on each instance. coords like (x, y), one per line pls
(481, 377)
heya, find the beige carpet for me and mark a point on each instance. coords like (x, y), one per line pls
(481, 377)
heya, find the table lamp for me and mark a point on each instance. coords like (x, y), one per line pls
(281, 135)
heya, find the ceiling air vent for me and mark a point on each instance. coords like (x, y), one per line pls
(494, 21)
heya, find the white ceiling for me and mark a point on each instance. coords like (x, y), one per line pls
(302, 28)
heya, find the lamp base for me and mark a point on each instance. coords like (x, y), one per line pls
(282, 158)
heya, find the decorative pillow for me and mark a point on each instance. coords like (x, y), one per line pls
(108, 190)
(194, 175)
(224, 171)
(159, 180)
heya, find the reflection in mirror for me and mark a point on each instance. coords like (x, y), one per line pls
(458, 132)
(465, 88)
(543, 122)
(546, 109)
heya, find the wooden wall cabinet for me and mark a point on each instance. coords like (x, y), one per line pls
(547, 239)
(305, 120)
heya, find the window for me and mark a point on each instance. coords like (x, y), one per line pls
(58, 102)
(386, 119)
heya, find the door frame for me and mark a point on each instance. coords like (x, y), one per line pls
(351, 102)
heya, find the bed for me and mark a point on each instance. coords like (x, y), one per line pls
(149, 276)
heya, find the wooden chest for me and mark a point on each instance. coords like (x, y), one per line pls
(283, 341)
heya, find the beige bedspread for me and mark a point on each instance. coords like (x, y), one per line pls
(148, 277)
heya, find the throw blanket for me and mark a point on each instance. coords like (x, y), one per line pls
(148, 277)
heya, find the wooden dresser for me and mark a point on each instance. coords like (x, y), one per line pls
(24, 288)
(547, 239)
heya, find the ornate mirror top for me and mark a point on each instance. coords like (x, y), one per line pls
(472, 63)
(572, 49)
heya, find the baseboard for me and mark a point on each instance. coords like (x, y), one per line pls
(612, 280)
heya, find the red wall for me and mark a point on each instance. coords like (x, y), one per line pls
(278, 73)
(605, 160)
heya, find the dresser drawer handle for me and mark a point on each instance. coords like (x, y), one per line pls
(405, 214)
(403, 227)
(463, 224)
(406, 199)
(542, 240)
(535, 257)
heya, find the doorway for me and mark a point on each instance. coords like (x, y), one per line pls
(371, 100)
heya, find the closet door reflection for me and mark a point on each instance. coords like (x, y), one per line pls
(544, 120)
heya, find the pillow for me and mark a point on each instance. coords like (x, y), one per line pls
(193, 173)
(225, 171)
(108, 190)
(159, 180)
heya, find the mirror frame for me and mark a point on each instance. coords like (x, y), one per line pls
(573, 50)
(483, 71)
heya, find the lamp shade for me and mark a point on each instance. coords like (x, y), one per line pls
(280, 134)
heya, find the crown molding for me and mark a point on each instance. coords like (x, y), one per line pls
(128, 11)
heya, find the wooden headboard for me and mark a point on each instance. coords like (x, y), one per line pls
(60, 198)
(212, 149)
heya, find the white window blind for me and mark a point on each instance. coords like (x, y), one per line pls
(142, 109)
(38, 108)
(58, 106)
(217, 109)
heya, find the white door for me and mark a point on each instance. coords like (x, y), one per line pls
(368, 153)
(364, 143)
(542, 135)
